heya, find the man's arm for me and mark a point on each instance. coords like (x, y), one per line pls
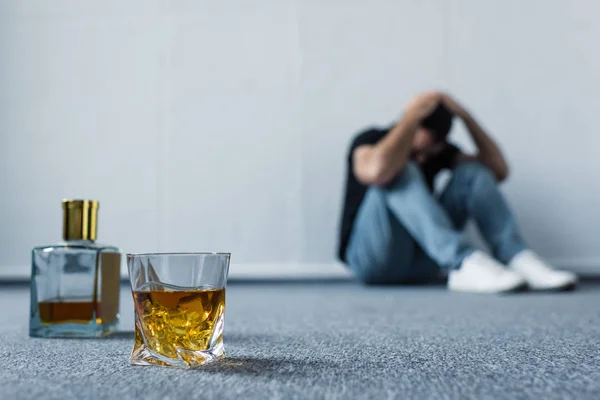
(488, 152)
(378, 164)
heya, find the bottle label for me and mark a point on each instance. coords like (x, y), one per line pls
(110, 275)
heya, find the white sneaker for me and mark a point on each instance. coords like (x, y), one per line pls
(539, 275)
(480, 273)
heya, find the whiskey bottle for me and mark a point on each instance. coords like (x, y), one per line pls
(75, 284)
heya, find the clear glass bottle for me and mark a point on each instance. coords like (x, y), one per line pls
(75, 284)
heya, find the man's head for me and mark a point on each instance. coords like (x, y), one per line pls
(432, 133)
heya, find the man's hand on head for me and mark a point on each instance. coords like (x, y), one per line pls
(453, 106)
(422, 105)
(379, 163)
(487, 151)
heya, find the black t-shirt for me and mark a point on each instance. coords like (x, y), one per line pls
(355, 191)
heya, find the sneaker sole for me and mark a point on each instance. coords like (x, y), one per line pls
(522, 287)
(568, 287)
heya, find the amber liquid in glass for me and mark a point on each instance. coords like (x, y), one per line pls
(171, 320)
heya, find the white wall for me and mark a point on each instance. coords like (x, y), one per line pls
(222, 125)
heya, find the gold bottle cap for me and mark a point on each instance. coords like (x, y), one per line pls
(80, 219)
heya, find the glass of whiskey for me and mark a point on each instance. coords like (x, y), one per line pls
(179, 307)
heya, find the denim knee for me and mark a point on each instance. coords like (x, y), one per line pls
(474, 171)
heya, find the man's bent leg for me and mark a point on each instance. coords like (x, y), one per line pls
(380, 250)
(473, 193)
(411, 202)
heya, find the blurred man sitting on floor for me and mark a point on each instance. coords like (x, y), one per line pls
(396, 230)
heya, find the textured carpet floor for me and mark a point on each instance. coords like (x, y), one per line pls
(335, 340)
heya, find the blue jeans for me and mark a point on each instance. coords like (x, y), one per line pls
(403, 234)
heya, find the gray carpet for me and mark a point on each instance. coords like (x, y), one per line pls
(335, 340)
